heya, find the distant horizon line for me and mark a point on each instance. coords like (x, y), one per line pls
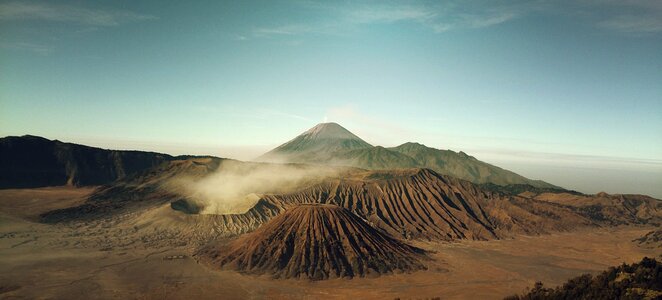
(544, 155)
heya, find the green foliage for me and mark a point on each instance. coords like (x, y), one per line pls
(641, 280)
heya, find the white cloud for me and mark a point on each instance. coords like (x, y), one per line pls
(633, 24)
(489, 20)
(17, 11)
(292, 29)
(32, 47)
(389, 14)
(633, 16)
(478, 20)
(84, 20)
(628, 17)
(437, 18)
(274, 113)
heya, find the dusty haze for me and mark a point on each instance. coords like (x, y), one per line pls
(235, 187)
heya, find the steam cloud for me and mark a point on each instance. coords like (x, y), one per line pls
(235, 187)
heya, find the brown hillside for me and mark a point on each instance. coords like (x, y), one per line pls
(617, 209)
(408, 204)
(316, 242)
(421, 204)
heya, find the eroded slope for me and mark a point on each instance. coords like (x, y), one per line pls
(316, 241)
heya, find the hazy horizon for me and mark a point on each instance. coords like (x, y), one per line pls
(564, 91)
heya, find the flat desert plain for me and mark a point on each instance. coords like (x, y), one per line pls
(83, 261)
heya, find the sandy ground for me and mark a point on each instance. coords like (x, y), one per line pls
(39, 261)
(30, 203)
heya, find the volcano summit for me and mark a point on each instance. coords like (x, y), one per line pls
(332, 144)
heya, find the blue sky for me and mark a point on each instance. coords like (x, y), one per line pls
(565, 91)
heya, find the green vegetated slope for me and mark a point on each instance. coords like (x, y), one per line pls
(330, 143)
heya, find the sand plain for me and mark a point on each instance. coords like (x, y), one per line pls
(84, 261)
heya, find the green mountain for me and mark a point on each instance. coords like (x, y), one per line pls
(331, 144)
(375, 158)
(463, 166)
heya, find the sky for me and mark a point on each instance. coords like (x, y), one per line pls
(565, 91)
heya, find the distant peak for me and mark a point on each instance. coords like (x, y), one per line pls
(27, 137)
(323, 138)
(327, 126)
(33, 137)
(329, 130)
(413, 144)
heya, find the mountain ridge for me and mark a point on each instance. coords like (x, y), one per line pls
(31, 161)
(405, 203)
(323, 144)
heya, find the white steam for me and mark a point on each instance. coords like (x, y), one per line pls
(235, 187)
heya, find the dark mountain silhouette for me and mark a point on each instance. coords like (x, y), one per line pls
(316, 241)
(330, 143)
(31, 161)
